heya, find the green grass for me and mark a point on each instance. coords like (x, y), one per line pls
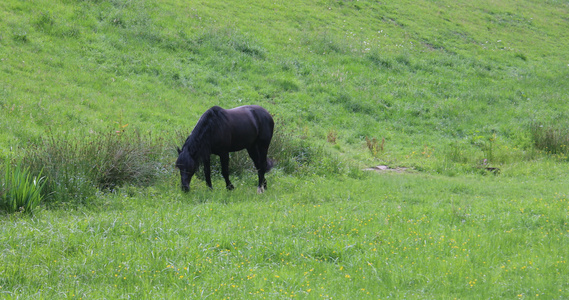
(448, 89)
(77, 167)
(20, 191)
(418, 236)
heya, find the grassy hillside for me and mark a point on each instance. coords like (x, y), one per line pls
(445, 88)
(415, 72)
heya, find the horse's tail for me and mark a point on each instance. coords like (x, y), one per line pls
(270, 165)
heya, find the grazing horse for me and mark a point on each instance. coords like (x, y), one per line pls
(220, 131)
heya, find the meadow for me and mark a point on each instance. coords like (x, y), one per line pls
(469, 98)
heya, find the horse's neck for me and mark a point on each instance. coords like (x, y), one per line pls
(199, 139)
(198, 149)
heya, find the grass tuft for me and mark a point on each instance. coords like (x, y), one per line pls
(552, 140)
(19, 190)
(374, 146)
(78, 167)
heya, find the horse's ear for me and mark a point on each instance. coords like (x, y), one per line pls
(179, 151)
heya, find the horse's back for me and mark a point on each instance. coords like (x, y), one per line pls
(246, 126)
(256, 109)
(256, 113)
(264, 120)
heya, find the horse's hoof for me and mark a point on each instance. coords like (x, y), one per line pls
(260, 190)
(230, 187)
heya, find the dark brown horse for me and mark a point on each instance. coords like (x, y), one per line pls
(220, 131)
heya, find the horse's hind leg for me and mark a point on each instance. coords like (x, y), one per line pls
(224, 158)
(263, 162)
(259, 158)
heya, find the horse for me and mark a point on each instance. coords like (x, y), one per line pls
(220, 131)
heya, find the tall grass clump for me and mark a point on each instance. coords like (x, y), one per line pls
(551, 140)
(374, 146)
(20, 191)
(77, 167)
(291, 153)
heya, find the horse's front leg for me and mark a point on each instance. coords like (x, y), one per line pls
(207, 172)
(224, 158)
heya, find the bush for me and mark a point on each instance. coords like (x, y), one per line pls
(20, 191)
(78, 167)
(291, 154)
(550, 139)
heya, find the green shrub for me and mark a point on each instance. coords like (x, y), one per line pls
(552, 140)
(20, 191)
(78, 167)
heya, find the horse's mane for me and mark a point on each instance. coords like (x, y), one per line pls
(198, 144)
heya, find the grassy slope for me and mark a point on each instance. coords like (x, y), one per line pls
(418, 71)
(424, 75)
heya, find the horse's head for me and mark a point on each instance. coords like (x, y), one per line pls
(187, 166)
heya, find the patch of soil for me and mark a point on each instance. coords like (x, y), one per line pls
(385, 169)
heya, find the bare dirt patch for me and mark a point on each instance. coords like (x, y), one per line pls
(386, 169)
